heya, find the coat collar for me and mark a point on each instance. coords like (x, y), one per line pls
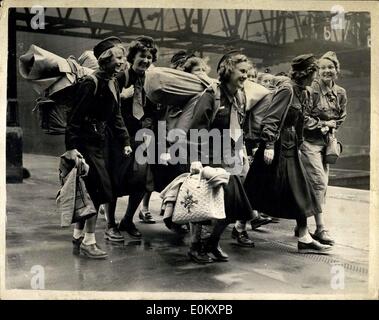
(231, 97)
(134, 75)
(325, 90)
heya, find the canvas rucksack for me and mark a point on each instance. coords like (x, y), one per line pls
(182, 118)
(53, 111)
(254, 118)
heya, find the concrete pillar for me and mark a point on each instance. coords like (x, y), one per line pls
(14, 172)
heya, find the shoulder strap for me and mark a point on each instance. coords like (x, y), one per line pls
(217, 99)
(286, 111)
(127, 78)
(94, 78)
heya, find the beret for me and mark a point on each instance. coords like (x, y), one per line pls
(330, 55)
(104, 45)
(180, 55)
(303, 61)
(227, 55)
(148, 42)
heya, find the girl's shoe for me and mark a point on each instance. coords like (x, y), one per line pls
(313, 247)
(323, 237)
(198, 255)
(92, 251)
(112, 234)
(146, 217)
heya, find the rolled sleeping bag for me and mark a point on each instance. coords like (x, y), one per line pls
(173, 87)
(68, 78)
(48, 72)
(38, 63)
(87, 59)
(254, 93)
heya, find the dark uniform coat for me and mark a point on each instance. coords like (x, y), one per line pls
(237, 205)
(129, 175)
(282, 188)
(90, 119)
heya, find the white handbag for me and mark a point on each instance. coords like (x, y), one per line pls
(198, 201)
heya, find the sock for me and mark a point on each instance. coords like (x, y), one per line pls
(240, 226)
(306, 239)
(78, 233)
(195, 234)
(89, 238)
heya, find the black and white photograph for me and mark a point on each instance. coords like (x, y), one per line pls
(189, 150)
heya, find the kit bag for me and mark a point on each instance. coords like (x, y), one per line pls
(182, 118)
(173, 87)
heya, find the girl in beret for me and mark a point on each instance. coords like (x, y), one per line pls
(131, 177)
(277, 183)
(324, 115)
(97, 110)
(227, 120)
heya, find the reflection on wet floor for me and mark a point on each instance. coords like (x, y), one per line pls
(159, 263)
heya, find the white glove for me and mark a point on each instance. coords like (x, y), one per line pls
(127, 92)
(268, 155)
(165, 158)
(196, 167)
(128, 150)
(324, 130)
(73, 154)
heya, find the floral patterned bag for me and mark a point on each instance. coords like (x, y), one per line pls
(198, 201)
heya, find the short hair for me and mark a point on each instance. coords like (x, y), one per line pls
(192, 62)
(281, 73)
(107, 55)
(336, 64)
(228, 64)
(137, 46)
(279, 80)
(253, 71)
(299, 75)
(178, 59)
(260, 76)
(331, 56)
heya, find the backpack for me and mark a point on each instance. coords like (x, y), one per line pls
(53, 111)
(255, 116)
(182, 118)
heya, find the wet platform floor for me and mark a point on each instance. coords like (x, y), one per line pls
(159, 262)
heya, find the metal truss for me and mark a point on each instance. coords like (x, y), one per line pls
(268, 35)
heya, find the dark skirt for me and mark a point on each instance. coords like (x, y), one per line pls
(128, 176)
(98, 181)
(165, 174)
(237, 205)
(281, 189)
